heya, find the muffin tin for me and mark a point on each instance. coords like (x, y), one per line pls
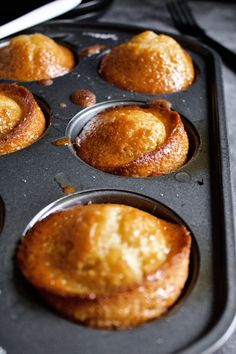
(199, 194)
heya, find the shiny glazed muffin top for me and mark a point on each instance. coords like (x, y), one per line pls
(34, 57)
(149, 63)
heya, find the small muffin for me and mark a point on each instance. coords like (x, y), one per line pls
(22, 121)
(107, 265)
(34, 57)
(148, 63)
(135, 141)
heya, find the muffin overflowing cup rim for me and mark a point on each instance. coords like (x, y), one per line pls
(191, 130)
(152, 206)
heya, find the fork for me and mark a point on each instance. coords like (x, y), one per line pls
(184, 21)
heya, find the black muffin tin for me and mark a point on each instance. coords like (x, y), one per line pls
(199, 194)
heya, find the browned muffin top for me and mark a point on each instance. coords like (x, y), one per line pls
(149, 63)
(34, 57)
(134, 141)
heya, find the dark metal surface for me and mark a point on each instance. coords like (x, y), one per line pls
(2, 214)
(199, 193)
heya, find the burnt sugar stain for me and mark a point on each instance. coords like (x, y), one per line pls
(45, 82)
(64, 141)
(68, 189)
(83, 97)
(91, 50)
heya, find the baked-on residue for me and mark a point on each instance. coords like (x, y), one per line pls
(91, 50)
(149, 63)
(83, 97)
(106, 265)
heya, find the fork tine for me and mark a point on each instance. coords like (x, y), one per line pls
(187, 12)
(175, 16)
(183, 18)
(170, 8)
(181, 12)
(184, 21)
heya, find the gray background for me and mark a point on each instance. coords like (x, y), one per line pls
(219, 19)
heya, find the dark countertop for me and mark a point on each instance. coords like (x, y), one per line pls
(219, 21)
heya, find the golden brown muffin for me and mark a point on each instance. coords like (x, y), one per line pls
(149, 63)
(135, 141)
(34, 57)
(106, 265)
(22, 121)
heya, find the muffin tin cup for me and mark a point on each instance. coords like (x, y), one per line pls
(149, 205)
(199, 194)
(79, 121)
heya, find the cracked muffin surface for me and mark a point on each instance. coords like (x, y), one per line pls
(107, 265)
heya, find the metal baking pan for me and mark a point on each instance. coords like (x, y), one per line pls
(199, 194)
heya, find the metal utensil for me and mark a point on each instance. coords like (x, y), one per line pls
(185, 22)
